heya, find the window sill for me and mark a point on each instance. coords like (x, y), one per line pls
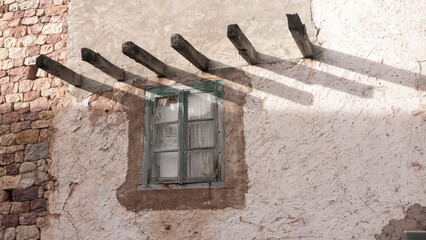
(181, 186)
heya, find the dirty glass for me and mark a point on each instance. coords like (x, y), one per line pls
(200, 106)
(166, 109)
(201, 134)
(166, 136)
(200, 163)
(166, 164)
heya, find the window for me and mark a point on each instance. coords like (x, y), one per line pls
(184, 136)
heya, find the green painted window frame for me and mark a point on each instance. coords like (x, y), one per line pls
(182, 91)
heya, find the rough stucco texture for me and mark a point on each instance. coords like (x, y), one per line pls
(335, 147)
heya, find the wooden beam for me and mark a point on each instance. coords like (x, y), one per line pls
(243, 45)
(58, 70)
(143, 57)
(102, 64)
(189, 52)
(298, 31)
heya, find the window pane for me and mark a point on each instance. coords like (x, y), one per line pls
(200, 105)
(200, 163)
(166, 164)
(166, 109)
(166, 136)
(201, 134)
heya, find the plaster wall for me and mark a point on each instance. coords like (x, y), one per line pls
(334, 147)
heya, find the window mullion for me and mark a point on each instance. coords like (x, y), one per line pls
(182, 134)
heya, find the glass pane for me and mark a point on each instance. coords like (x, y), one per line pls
(166, 109)
(166, 164)
(200, 105)
(200, 163)
(166, 136)
(201, 134)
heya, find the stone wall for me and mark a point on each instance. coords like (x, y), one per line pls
(28, 103)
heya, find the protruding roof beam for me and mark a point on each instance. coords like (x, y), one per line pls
(189, 52)
(58, 70)
(298, 31)
(102, 64)
(145, 58)
(243, 45)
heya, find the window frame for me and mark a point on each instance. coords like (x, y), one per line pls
(182, 91)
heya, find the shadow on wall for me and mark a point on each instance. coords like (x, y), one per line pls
(289, 69)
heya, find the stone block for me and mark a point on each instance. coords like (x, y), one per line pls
(27, 136)
(46, 115)
(21, 105)
(38, 205)
(27, 218)
(10, 220)
(27, 233)
(5, 108)
(18, 15)
(12, 169)
(45, 3)
(13, 98)
(15, 127)
(22, 195)
(41, 177)
(46, 49)
(29, 4)
(31, 116)
(40, 124)
(30, 13)
(27, 180)
(18, 32)
(40, 104)
(20, 207)
(4, 53)
(9, 182)
(4, 128)
(29, 96)
(36, 29)
(9, 234)
(52, 28)
(5, 207)
(15, 22)
(36, 151)
(19, 157)
(7, 139)
(30, 20)
(27, 41)
(5, 196)
(18, 52)
(27, 167)
(7, 64)
(6, 159)
(34, 51)
(2, 171)
(6, 89)
(9, 118)
(42, 83)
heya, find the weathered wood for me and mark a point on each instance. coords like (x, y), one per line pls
(243, 45)
(102, 64)
(145, 58)
(189, 52)
(298, 31)
(53, 67)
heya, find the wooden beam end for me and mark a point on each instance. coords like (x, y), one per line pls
(176, 40)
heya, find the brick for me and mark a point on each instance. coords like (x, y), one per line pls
(6, 89)
(7, 159)
(7, 139)
(29, 96)
(22, 195)
(36, 151)
(5, 107)
(40, 104)
(27, 218)
(27, 232)
(27, 136)
(12, 169)
(27, 167)
(30, 20)
(10, 182)
(10, 220)
(27, 180)
(9, 118)
(38, 205)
